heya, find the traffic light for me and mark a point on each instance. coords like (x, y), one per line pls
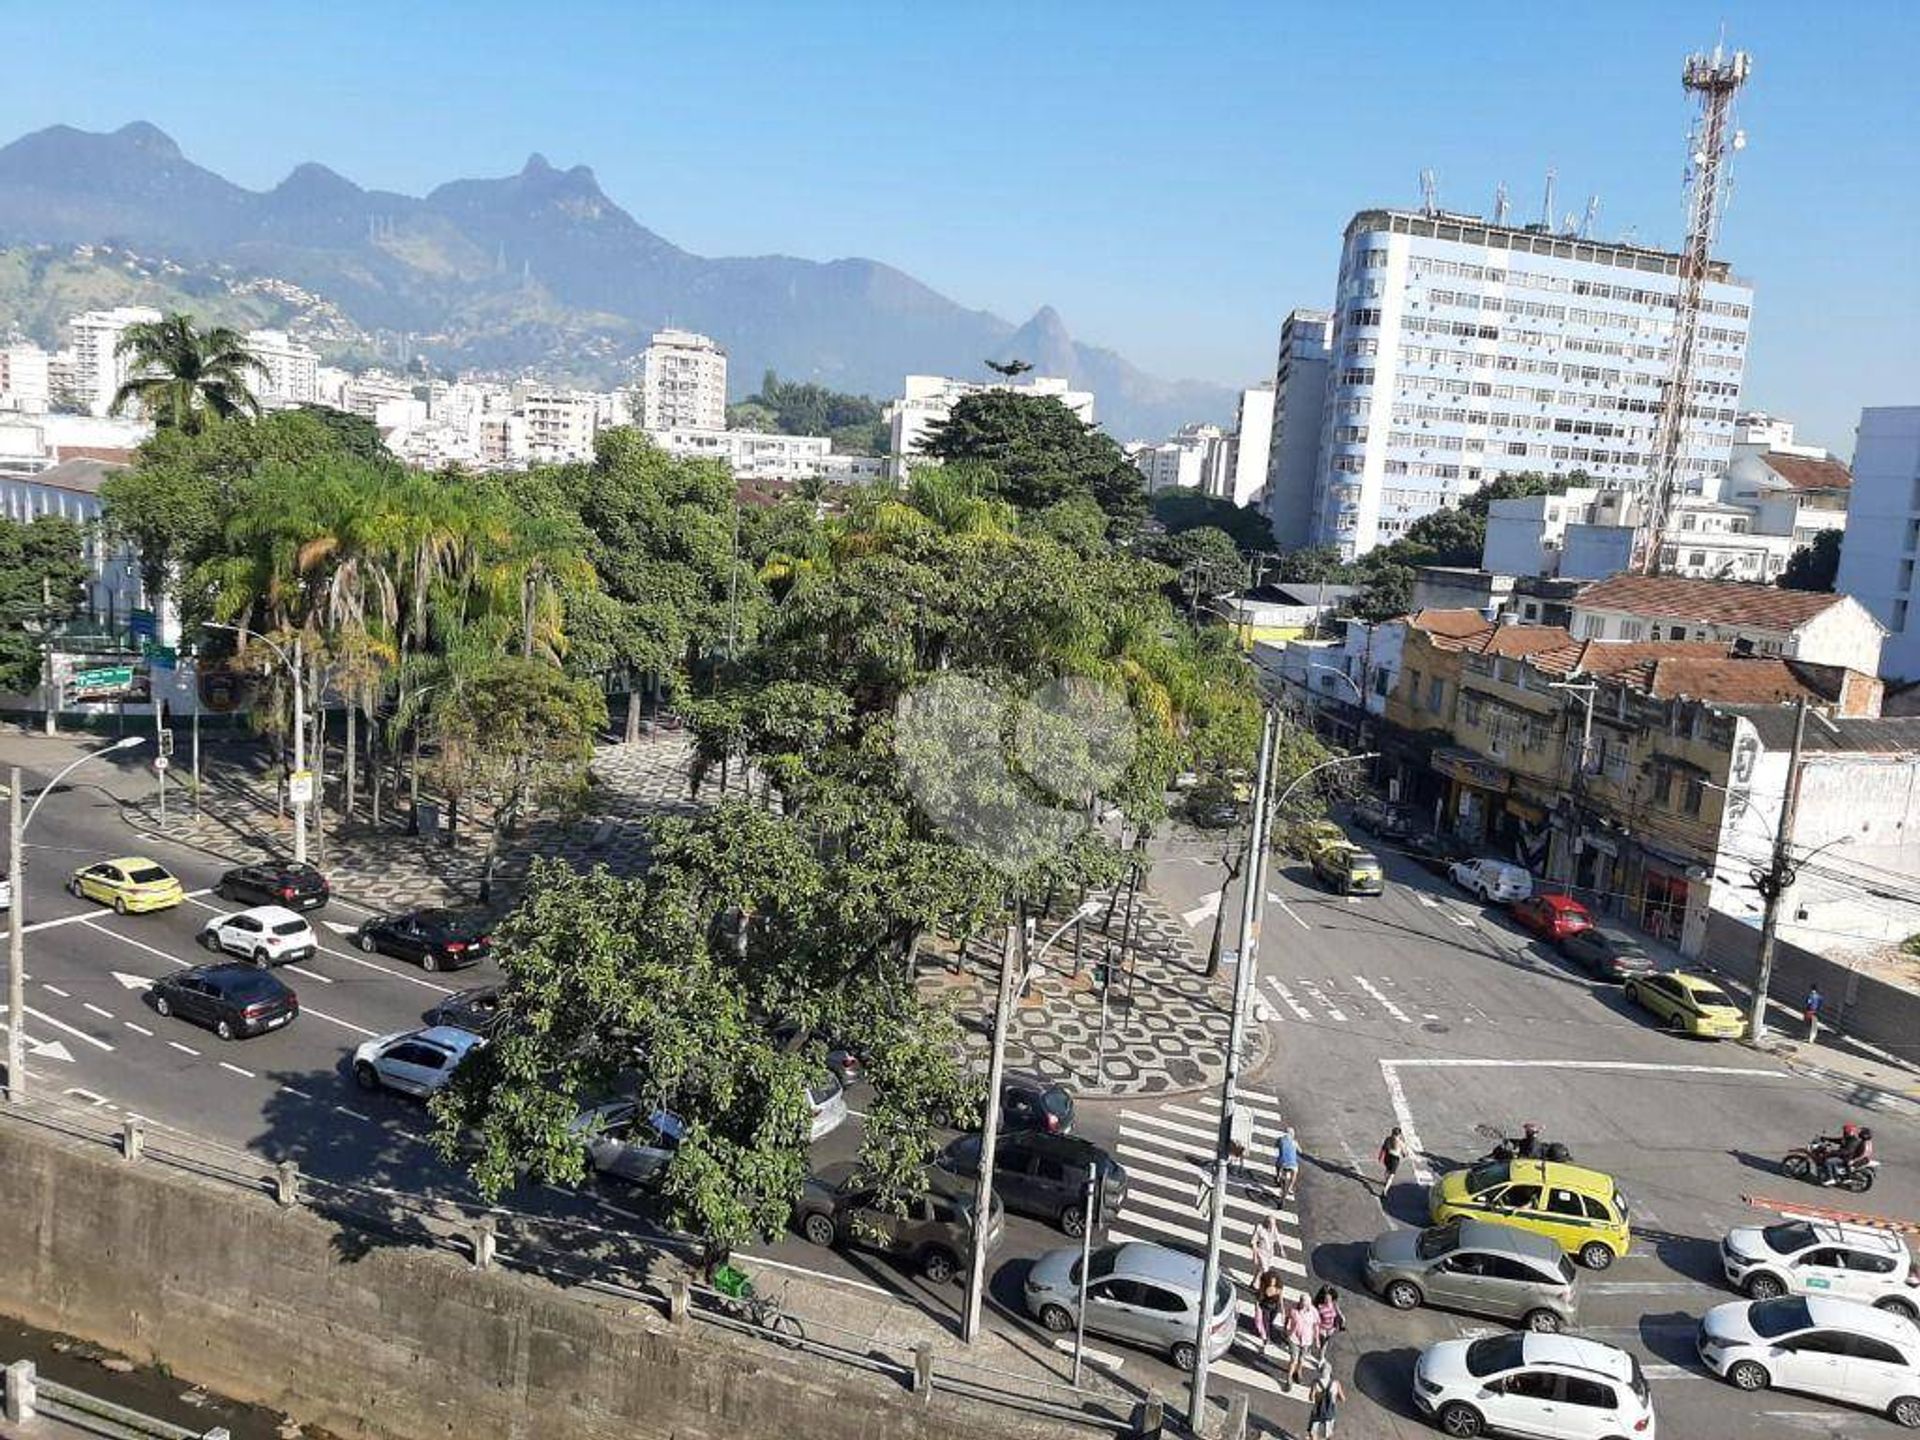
(166, 741)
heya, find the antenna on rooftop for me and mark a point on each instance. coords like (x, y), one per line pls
(1546, 209)
(1500, 204)
(1586, 220)
(1429, 194)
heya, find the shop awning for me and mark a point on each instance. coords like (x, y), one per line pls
(1470, 769)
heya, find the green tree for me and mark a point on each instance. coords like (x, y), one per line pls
(1815, 566)
(1182, 510)
(1206, 562)
(185, 377)
(1040, 454)
(1311, 565)
(1521, 485)
(43, 576)
(786, 407)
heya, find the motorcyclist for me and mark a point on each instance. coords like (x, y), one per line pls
(1853, 1147)
(1527, 1147)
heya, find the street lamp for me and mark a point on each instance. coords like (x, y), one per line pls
(17, 914)
(301, 782)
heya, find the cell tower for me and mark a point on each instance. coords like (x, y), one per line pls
(1715, 79)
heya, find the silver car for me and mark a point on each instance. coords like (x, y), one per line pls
(1145, 1294)
(1477, 1266)
(629, 1143)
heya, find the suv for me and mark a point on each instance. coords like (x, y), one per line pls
(230, 1000)
(1349, 870)
(266, 935)
(294, 884)
(1044, 1175)
(1477, 1266)
(1145, 1293)
(1831, 1348)
(1806, 1257)
(1582, 1209)
(837, 1207)
(1530, 1384)
(414, 1062)
(1607, 954)
(477, 1010)
(1498, 882)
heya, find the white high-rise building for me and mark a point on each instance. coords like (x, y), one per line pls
(289, 373)
(1252, 437)
(1882, 541)
(25, 381)
(97, 372)
(683, 383)
(560, 424)
(1197, 457)
(928, 400)
(1464, 350)
(1300, 400)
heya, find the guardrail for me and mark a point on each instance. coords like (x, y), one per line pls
(487, 1237)
(31, 1398)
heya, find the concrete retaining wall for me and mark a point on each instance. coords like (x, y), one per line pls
(270, 1306)
(1858, 1005)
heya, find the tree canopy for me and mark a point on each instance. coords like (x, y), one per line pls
(186, 378)
(1040, 453)
(43, 575)
(1182, 510)
(1815, 566)
(789, 407)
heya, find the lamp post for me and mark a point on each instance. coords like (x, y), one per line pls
(301, 781)
(17, 914)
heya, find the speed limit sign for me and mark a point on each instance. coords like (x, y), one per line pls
(161, 762)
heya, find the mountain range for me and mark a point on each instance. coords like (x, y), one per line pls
(540, 270)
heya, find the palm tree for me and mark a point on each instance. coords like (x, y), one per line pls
(182, 377)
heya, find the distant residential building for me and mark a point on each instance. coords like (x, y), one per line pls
(927, 400)
(96, 370)
(1299, 406)
(560, 424)
(1464, 350)
(70, 490)
(1252, 443)
(1758, 430)
(1883, 530)
(289, 373)
(1197, 457)
(756, 456)
(683, 383)
(1791, 624)
(364, 394)
(25, 383)
(1795, 490)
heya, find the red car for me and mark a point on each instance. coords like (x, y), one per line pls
(1552, 917)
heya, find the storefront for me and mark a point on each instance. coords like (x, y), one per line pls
(1529, 831)
(1596, 869)
(1667, 898)
(1475, 807)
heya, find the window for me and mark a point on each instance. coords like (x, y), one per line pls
(1632, 629)
(1592, 1393)
(1436, 693)
(1819, 1342)
(1595, 1209)
(1116, 1292)
(1865, 1347)
(1868, 1264)
(1899, 616)
(1413, 688)
(1152, 1297)
(1565, 1202)
(1520, 1197)
(1696, 791)
(1534, 1385)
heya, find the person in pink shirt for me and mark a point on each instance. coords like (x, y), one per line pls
(1302, 1329)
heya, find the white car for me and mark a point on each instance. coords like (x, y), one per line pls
(827, 1099)
(1836, 1349)
(1559, 1386)
(1499, 882)
(414, 1062)
(266, 935)
(1808, 1257)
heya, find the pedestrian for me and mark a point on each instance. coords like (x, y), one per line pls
(1269, 1297)
(1286, 1165)
(1326, 1305)
(1266, 1244)
(1325, 1403)
(1302, 1334)
(1811, 1009)
(1393, 1150)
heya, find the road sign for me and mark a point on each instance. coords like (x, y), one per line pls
(161, 762)
(141, 625)
(300, 787)
(166, 741)
(107, 682)
(160, 657)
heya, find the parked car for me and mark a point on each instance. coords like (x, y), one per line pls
(1817, 1257)
(1552, 917)
(6, 889)
(1029, 1103)
(433, 939)
(1477, 1266)
(1498, 882)
(629, 1141)
(827, 1098)
(1349, 870)
(1607, 954)
(838, 1206)
(1689, 1004)
(1436, 852)
(414, 1062)
(1528, 1384)
(132, 885)
(1836, 1349)
(1146, 1294)
(294, 884)
(266, 935)
(1388, 819)
(1211, 810)
(1303, 838)
(476, 1010)
(231, 1000)
(1582, 1209)
(1043, 1175)
(841, 1059)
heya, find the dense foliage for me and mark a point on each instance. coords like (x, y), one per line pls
(1037, 453)
(43, 576)
(790, 407)
(1815, 566)
(1179, 511)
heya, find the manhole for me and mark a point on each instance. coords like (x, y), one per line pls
(1434, 1027)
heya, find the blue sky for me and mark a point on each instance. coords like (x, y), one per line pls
(1172, 177)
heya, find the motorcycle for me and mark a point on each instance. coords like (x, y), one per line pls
(1511, 1147)
(1809, 1163)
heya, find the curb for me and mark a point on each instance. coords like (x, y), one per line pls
(1898, 1101)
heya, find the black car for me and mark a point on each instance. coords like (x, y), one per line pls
(476, 1011)
(434, 939)
(232, 1000)
(1033, 1104)
(295, 885)
(1386, 818)
(1043, 1175)
(1437, 852)
(1607, 954)
(789, 1036)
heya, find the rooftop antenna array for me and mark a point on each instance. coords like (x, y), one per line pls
(1429, 194)
(1500, 204)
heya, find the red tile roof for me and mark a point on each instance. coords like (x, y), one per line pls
(1609, 657)
(1724, 602)
(111, 454)
(1457, 624)
(1804, 472)
(1736, 681)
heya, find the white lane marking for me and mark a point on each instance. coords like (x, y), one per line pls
(1334, 1012)
(1300, 1011)
(310, 974)
(336, 1020)
(87, 917)
(1462, 1063)
(817, 1274)
(44, 1049)
(337, 928)
(137, 1029)
(1466, 921)
(1090, 1355)
(131, 982)
(140, 945)
(1403, 1114)
(1253, 1379)
(103, 1014)
(1231, 1221)
(54, 989)
(352, 1114)
(1647, 1287)
(612, 1209)
(87, 1095)
(1429, 902)
(1392, 1009)
(183, 1049)
(1291, 913)
(238, 1070)
(348, 955)
(297, 1094)
(1205, 910)
(76, 1033)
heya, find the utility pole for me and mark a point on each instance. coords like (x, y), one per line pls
(302, 781)
(48, 688)
(16, 945)
(989, 1131)
(1229, 1085)
(1774, 882)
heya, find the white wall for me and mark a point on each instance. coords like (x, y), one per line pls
(1876, 558)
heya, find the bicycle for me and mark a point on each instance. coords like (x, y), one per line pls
(740, 1299)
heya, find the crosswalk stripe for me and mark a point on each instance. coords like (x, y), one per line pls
(1313, 993)
(1241, 1227)
(1262, 1134)
(1286, 998)
(1208, 1107)
(1392, 1009)
(1192, 1239)
(1253, 1379)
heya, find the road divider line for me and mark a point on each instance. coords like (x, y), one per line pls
(1292, 914)
(1403, 1115)
(85, 917)
(356, 1115)
(238, 1070)
(310, 974)
(297, 1094)
(1286, 997)
(388, 971)
(336, 1020)
(74, 1031)
(103, 1014)
(54, 989)
(187, 1049)
(1090, 1355)
(137, 1029)
(1392, 1009)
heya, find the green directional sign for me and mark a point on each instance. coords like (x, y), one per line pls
(161, 657)
(107, 682)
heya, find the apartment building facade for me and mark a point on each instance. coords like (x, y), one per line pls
(1882, 543)
(927, 400)
(95, 370)
(683, 383)
(1299, 407)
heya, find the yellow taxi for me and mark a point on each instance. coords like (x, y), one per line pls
(1689, 1004)
(1581, 1209)
(1308, 838)
(131, 884)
